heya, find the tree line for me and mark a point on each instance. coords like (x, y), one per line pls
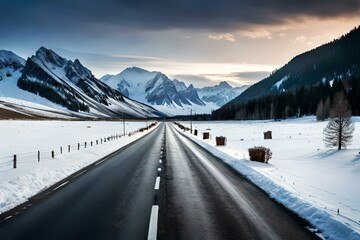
(307, 100)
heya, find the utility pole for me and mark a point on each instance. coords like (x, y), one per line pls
(191, 121)
(123, 123)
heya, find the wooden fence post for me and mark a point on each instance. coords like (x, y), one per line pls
(14, 164)
(78, 146)
(85, 144)
(97, 142)
(68, 148)
(52, 154)
(60, 150)
(38, 156)
(91, 143)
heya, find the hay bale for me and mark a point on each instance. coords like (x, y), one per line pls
(220, 141)
(268, 135)
(206, 135)
(260, 154)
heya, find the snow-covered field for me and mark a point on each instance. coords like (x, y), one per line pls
(26, 138)
(312, 180)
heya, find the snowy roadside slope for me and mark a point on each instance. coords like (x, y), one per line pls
(327, 225)
(31, 177)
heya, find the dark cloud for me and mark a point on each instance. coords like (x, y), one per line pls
(77, 15)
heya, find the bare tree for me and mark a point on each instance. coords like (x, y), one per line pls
(340, 128)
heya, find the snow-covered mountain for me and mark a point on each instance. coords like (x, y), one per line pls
(46, 81)
(10, 61)
(155, 88)
(220, 94)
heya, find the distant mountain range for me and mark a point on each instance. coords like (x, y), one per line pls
(220, 94)
(172, 97)
(50, 84)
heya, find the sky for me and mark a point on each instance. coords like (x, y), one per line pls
(197, 41)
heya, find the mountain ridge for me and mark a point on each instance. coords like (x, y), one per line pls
(165, 94)
(300, 85)
(221, 93)
(66, 86)
(327, 62)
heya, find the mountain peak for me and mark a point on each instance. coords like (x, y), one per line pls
(224, 84)
(47, 55)
(136, 69)
(10, 59)
(81, 69)
(42, 51)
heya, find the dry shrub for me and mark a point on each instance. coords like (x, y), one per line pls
(206, 135)
(260, 154)
(220, 141)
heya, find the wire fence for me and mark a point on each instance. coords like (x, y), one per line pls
(17, 160)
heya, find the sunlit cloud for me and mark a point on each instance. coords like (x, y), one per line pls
(255, 33)
(223, 36)
(213, 73)
(300, 38)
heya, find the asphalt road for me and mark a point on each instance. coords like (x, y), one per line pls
(199, 198)
(111, 200)
(203, 199)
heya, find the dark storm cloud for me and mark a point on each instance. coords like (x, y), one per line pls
(75, 15)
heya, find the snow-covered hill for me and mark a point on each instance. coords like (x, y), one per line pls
(55, 84)
(220, 94)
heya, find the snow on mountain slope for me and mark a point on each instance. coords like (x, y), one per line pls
(279, 85)
(10, 60)
(131, 82)
(220, 94)
(188, 92)
(71, 86)
(11, 66)
(172, 97)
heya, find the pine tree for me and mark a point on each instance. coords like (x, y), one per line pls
(340, 128)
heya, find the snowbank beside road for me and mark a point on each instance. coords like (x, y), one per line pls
(304, 176)
(31, 177)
